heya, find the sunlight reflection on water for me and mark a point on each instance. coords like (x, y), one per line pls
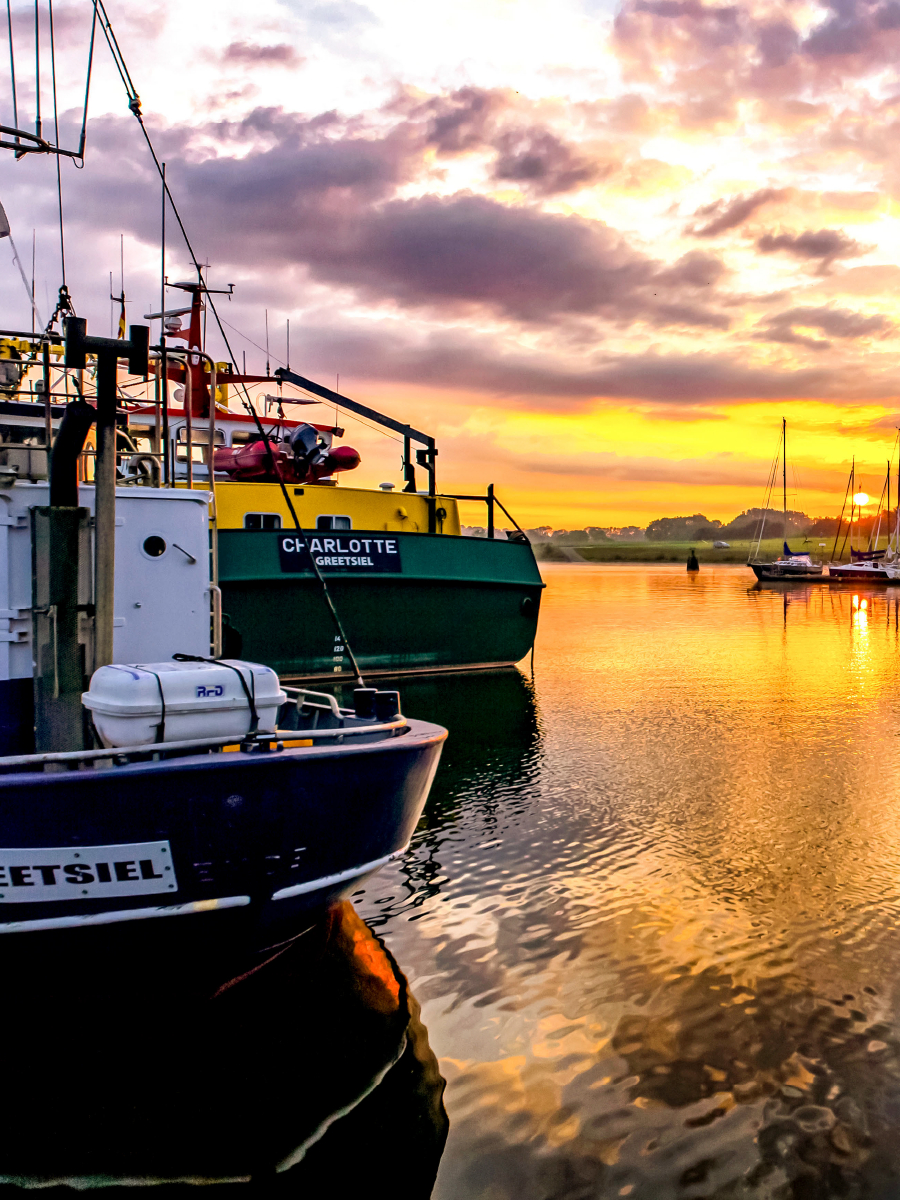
(651, 910)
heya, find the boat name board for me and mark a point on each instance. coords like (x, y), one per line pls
(47, 873)
(343, 553)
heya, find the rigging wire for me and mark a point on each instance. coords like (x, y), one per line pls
(134, 103)
(770, 483)
(37, 69)
(393, 437)
(62, 236)
(239, 332)
(12, 66)
(87, 91)
(287, 400)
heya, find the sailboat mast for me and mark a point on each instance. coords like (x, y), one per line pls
(784, 474)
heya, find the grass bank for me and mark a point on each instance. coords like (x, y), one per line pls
(646, 552)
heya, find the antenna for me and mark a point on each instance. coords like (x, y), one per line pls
(289, 343)
(267, 343)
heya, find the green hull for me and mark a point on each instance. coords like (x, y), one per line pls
(456, 602)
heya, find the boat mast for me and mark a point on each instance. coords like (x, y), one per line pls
(784, 475)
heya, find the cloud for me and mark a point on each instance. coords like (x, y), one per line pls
(826, 245)
(852, 27)
(543, 163)
(249, 54)
(708, 64)
(723, 215)
(556, 382)
(777, 42)
(460, 121)
(323, 194)
(835, 322)
(876, 280)
(695, 269)
(521, 262)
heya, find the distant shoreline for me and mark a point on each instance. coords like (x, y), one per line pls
(675, 552)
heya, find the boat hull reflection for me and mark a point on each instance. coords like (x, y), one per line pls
(305, 1070)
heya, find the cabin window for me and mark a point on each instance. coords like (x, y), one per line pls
(200, 435)
(199, 441)
(262, 521)
(329, 523)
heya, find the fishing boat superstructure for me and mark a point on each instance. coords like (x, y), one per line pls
(415, 594)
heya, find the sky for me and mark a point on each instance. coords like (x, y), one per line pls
(598, 250)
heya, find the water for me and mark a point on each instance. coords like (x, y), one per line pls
(651, 914)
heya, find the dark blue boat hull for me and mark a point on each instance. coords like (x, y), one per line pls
(265, 841)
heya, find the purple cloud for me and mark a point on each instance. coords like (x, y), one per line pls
(321, 194)
(543, 163)
(722, 215)
(555, 383)
(834, 322)
(824, 245)
(281, 54)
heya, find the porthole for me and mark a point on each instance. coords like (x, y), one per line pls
(154, 546)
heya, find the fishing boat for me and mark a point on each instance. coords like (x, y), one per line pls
(226, 776)
(415, 594)
(867, 564)
(146, 774)
(793, 564)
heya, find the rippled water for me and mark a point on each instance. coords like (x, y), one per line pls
(651, 913)
(650, 916)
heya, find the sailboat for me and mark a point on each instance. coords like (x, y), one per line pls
(891, 560)
(792, 564)
(869, 564)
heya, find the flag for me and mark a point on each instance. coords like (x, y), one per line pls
(121, 333)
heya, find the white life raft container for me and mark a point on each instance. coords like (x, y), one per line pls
(143, 703)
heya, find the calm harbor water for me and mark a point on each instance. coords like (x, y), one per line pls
(652, 915)
(650, 918)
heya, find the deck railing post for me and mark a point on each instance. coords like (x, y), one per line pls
(490, 506)
(409, 467)
(48, 410)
